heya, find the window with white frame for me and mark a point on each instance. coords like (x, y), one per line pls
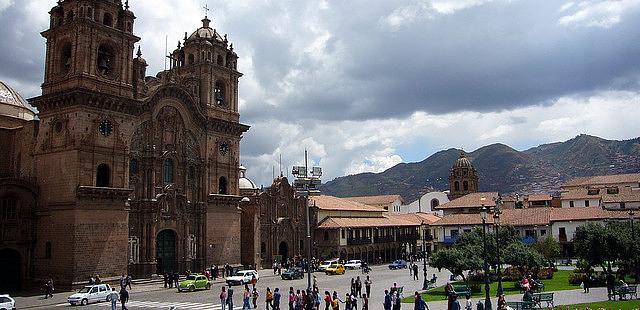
(134, 250)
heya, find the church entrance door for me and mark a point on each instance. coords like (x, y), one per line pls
(10, 266)
(283, 250)
(166, 251)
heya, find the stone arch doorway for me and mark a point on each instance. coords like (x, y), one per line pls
(10, 264)
(283, 251)
(166, 251)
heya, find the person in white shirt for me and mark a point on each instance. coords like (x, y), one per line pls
(469, 304)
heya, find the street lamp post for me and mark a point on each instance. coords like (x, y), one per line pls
(496, 224)
(487, 298)
(633, 239)
(425, 283)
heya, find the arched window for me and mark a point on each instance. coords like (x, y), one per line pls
(66, 58)
(134, 250)
(465, 185)
(434, 203)
(191, 59)
(133, 166)
(105, 60)
(107, 19)
(8, 208)
(103, 176)
(167, 168)
(47, 250)
(218, 93)
(220, 60)
(222, 186)
(456, 185)
(209, 56)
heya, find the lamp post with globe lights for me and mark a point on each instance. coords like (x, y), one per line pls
(633, 242)
(496, 225)
(487, 298)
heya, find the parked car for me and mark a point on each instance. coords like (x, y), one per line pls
(6, 302)
(242, 277)
(90, 294)
(193, 282)
(335, 269)
(398, 264)
(292, 274)
(353, 264)
(325, 264)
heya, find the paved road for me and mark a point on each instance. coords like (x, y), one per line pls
(154, 296)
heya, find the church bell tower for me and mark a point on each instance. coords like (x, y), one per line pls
(87, 111)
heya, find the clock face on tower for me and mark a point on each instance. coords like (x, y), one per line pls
(224, 148)
(105, 128)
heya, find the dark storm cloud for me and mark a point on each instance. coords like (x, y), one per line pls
(22, 50)
(488, 58)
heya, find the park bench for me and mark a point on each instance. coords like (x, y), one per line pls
(461, 290)
(521, 305)
(538, 298)
(631, 290)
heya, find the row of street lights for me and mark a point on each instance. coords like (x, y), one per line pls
(496, 224)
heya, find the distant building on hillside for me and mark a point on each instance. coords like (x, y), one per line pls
(428, 203)
(618, 191)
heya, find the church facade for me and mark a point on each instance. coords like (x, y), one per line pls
(120, 172)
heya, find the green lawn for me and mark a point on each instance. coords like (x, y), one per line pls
(608, 305)
(559, 282)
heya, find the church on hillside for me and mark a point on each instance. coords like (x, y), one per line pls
(117, 172)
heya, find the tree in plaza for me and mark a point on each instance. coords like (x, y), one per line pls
(596, 244)
(523, 257)
(548, 247)
(457, 260)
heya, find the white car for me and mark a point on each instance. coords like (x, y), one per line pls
(89, 294)
(325, 264)
(6, 302)
(353, 264)
(242, 277)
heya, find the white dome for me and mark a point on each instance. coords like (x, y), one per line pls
(13, 105)
(244, 182)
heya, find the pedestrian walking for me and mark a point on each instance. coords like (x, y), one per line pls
(468, 303)
(353, 286)
(358, 286)
(254, 296)
(327, 300)
(230, 298)
(396, 301)
(387, 300)
(276, 299)
(335, 301)
(98, 280)
(415, 271)
(418, 303)
(354, 302)
(48, 289)
(347, 302)
(611, 282)
(245, 298)
(113, 298)
(367, 286)
(128, 281)
(268, 299)
(410, 268)
(297, 303)
(223, 298)
(176, 279)
(215, 272)
(292, 298)
(254, 281)
(124, 298)
(365, 302)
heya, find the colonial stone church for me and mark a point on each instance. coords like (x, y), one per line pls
(119, 172)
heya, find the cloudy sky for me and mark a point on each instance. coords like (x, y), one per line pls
(364, 85)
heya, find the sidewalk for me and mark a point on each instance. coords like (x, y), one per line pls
(560, 298)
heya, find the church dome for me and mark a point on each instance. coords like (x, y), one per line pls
(244, 182)
(13, 105)
(206, 32)
(462, 162)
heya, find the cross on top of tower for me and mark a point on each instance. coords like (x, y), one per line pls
(206, 9)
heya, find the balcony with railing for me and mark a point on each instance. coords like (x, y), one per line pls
(529, 239)
(357, 241)
(450, 239)
(408, 237)
(383, 239)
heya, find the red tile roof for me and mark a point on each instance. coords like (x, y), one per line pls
(585, 213)
(601, 180)
(539, 197)
(324, 202)
(418, 217)
(348, 222)
(625, 194)
(473, 200)
(378, 201)
(580, 193)
(534, 216)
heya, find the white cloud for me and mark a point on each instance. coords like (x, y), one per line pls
(5, 4)
(451, 6)
(603, 14)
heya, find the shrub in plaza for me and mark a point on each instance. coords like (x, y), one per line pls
(549, 248)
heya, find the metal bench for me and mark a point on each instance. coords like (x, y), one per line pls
(631, 290)
(538, 298)
(461, 290)
(521, 305)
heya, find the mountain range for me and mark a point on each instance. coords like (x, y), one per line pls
(540, 169)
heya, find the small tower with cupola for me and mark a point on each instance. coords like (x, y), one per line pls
(463, 178)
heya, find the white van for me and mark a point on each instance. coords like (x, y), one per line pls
(89, 294)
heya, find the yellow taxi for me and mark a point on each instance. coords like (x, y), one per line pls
(335, 269)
